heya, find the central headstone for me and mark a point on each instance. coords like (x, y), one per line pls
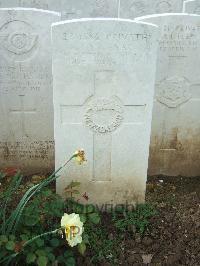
(26, 100)
(103, 92)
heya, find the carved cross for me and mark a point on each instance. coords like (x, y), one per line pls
(103, 114)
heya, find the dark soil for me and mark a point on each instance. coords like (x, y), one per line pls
(173, 237)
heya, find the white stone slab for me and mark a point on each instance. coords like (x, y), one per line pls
(53, 5)
(192, 6)
(103, 92)
(135, 8)
(26, 108)
(175, 141)
(72, 9)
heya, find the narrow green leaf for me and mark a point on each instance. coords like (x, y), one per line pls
(82, 248)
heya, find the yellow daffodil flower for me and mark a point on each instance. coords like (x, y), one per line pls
(80, 156)
(73, 227)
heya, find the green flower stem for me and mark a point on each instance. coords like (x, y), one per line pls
(9, 258)
(15, 217)
(39, 236)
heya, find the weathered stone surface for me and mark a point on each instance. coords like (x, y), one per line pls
(136, 8)
(26, 121)
(53, 5)
(104, 73)
(73, 9)
(175, 142)
(192, 6)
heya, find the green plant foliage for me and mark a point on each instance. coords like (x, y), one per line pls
(101, 245)
(30, 258)
(10, 245)
(138, 217)
(39, 211)
(94, 218)
(82, 248)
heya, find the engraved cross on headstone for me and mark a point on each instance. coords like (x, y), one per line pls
(103, 114)
(22, 111)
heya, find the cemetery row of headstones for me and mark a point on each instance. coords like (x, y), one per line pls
(104, 76)
(128, 9)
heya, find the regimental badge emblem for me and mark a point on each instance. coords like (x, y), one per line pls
(103, 115)
(18, 40)
(173, 91)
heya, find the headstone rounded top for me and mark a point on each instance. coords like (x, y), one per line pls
(120, 20)
(165, 15)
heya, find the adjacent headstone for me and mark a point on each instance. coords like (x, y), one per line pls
(192, 6)
(53, 5)
(136, 8)
(104, 73)
(175, 141)
(72, 9)
(26, 108)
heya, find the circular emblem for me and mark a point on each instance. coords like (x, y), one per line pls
(173, 91)
(18, 40)
(103, 115)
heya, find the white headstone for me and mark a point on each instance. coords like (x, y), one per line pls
(192, 6)
(136, 8)
(54, 5)
(103, 94)
(89, 8)
(26, 108)
(175, 142)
